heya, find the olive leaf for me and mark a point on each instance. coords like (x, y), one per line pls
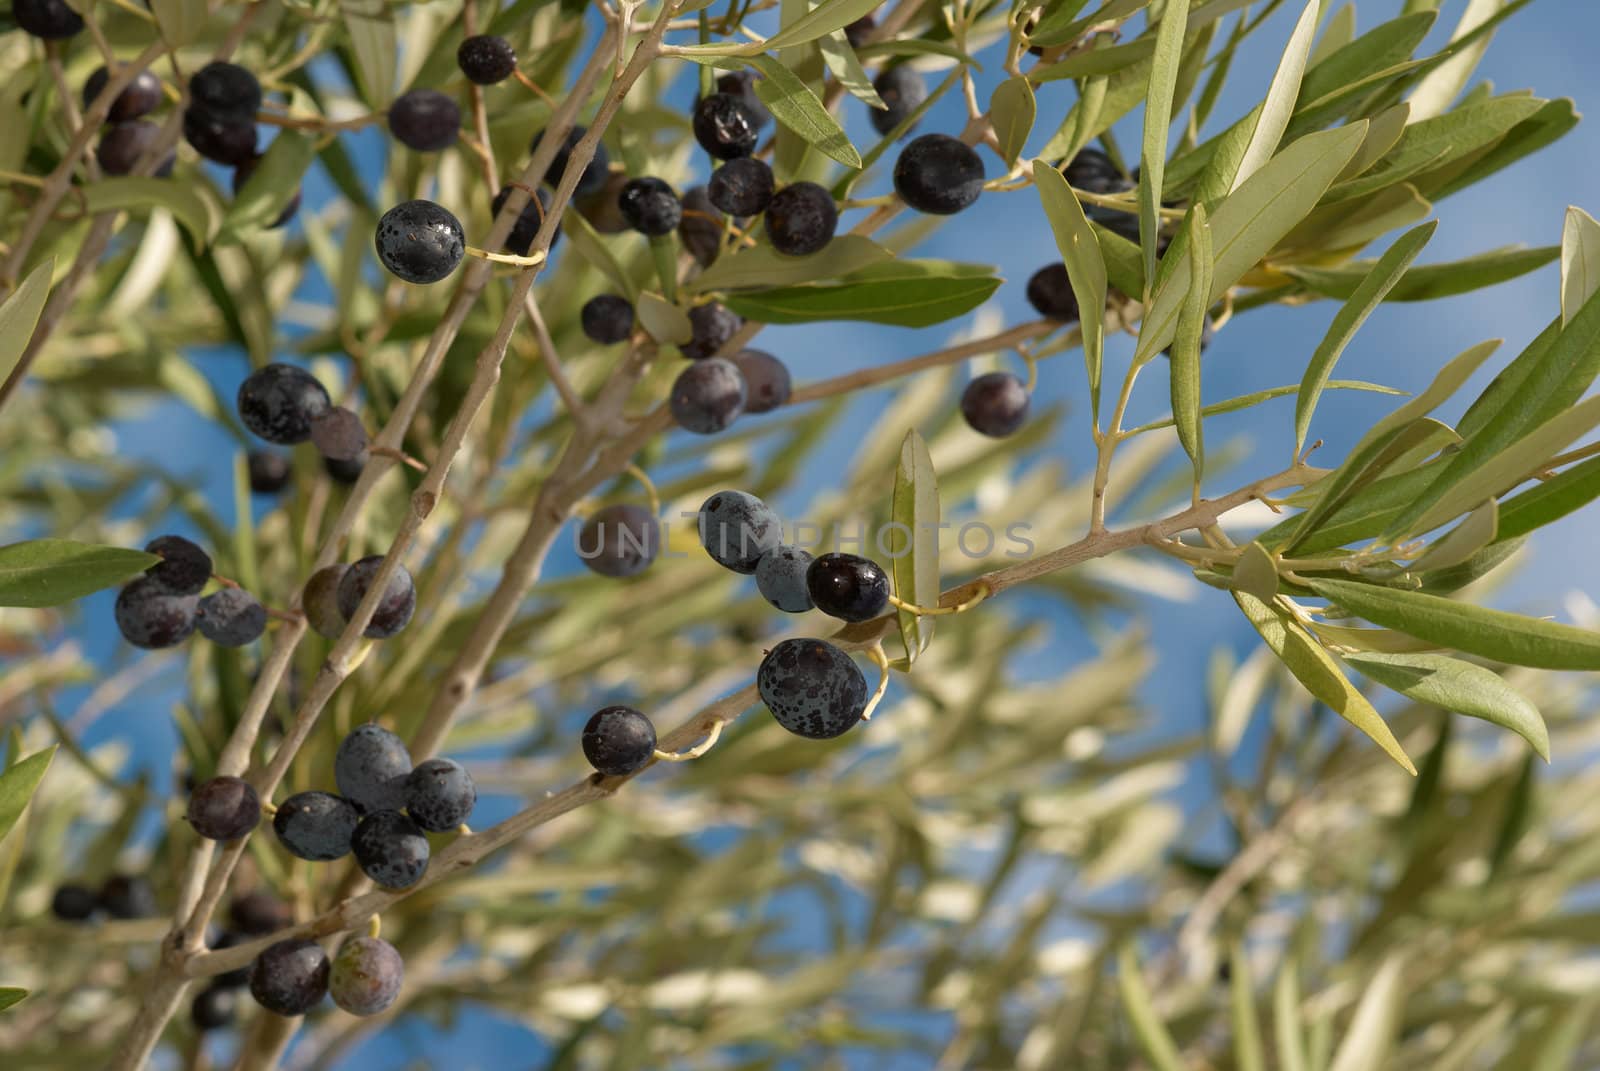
(49, 572)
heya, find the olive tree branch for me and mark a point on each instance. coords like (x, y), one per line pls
(198, 897)
(468, 850)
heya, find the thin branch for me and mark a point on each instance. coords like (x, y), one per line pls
(465, 852)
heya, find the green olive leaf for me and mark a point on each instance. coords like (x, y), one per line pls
(49, 572)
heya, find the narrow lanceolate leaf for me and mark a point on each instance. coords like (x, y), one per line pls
(793, 104)
(1367, 458)
(664, 321)
(1444, 83)
(1493, 634)
(1185, 360)
(17, 785)
(1384, 131)
(1340, 31)
(825, 18)
(1247, 1047)
(1281, 96)
(593, 249)
(907, 293)
(1564, 493)
(1500, 473)
(274, 182)
(1431, 281)
(1367, 297)
(846, 68)
(1580, 261)
(19, 315)
(1164, 68)
(1315, 668)
(763, 266)
(1288, 1033)
(1011, 111)
(1157, 1043)
(1466, 539)
(181, 21)
(1366, 1044)
(1086, 266)
(1460, 686)
(49, 572)
(376, 46)
(10, 995)
(1432, 143)
(190, 204)
(1252, 220)
(1246, 401)
(1366, 463)
(916, 567)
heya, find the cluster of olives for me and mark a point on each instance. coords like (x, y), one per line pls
(286, 405)
(377, 782)
(164, 606)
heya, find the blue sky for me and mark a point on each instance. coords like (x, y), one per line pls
(1544, 48)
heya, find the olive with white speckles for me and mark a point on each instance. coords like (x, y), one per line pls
(781, 579)
(618, 740)
(440, 795)
(737, 528)
(151, 616)
(391, 849)
(278, 402)
(420, 241)
(371, 767)
(316, 825)
(231, 617)
(184, 568)
(812, 688)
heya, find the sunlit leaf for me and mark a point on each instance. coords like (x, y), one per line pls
(910, 293)
(794, 105)
(1252, 220)
(762, 266)
(49, 572)
(1366, 298)
(1086, 268)
(1580, 261)
(1315, 668)
(1477, 630)
(1459, 686)
(1011, 111)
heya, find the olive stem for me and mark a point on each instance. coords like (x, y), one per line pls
(507, 258)
(936, 611)
(400, 456)
(881, 660)
(649, 487)
(712, 735)
(533, 86)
